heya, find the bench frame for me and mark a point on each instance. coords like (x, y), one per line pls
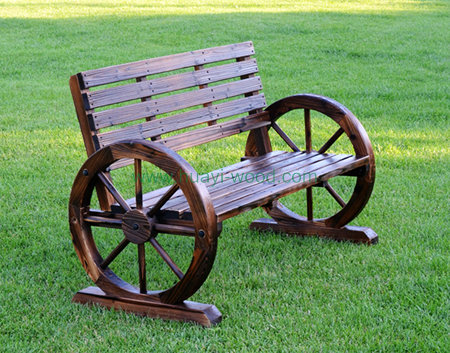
(187, 208)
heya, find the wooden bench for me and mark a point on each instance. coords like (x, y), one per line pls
(167, 104)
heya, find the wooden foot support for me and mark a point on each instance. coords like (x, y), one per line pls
(203, 314)
(349, 233)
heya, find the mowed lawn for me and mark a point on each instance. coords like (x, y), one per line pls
(387, 61)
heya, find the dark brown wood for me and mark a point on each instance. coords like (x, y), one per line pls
(112, 190)
(333, 193)
(193, 206)
(203, 314)
(357, 137)
(167, 259)
(155, 208)
(142, 268)
(148, 88)
(308, 130)
(309, 204)
(138, 182)
(332, 140)
(215, 132)
(105, 198)
(181, 121)
(308, 144)
(349, 233)
(285, 137)
(154, 66)
(117, 250)
(175, 102)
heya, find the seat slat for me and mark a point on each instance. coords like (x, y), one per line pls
(174, 102)
(175, 122)
(179, 203)
(232, 183)
(231, 198)
(166, 84)
(306, 166)
(152, 197)
(283, 189)
(141, 68)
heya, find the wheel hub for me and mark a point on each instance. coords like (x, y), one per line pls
(137, 227)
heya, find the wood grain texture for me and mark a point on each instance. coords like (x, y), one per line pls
(173, 102)
(159, 65)
(195, 205)
(354, 234)
(358, 139)
(160, 85)
(203, 314)
(183, 120)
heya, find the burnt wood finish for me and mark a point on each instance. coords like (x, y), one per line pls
(206, 93)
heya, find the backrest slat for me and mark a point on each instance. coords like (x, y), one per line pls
(214, 132)
(195, 90)
(209, 133)
(174, 102)
(166, 84)
(154, 66)
(176, 122)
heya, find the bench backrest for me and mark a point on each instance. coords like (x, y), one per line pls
(203, 87)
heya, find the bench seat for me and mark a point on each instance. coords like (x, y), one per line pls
(257, 181)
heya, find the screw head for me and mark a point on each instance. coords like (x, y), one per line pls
(135, 226)
(201, 233)
(85, 172)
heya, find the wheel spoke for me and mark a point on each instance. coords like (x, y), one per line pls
(285, 137)
(308, 130)
(174, 229)
(309, 203)
(114, 253)
(101, 221)
(165, 256)
(332, 140)
(142, 270)
(112, 189)
(335, 195)
(161, 202)
(138, 182)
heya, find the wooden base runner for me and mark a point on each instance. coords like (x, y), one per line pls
(204, 314)
(349, 233)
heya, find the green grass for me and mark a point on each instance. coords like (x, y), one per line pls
(387, 61)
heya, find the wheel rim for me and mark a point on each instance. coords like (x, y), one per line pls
(348, 125)
(140, 225)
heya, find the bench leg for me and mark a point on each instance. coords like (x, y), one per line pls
(349, 233)
(204, 314)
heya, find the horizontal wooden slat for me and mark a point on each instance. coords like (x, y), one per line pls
(175, 122)
(207, 134)
(307, 165)
(142, 68)
(174, 102)
(152, 197)
(166, 84)
(233, 197)
(283, 189)
(255, 164)
(232, 184)
(215, 132)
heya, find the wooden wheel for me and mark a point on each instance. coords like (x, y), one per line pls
(348, 125)
(141, 225)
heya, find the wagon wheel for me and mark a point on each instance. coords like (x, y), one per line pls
(348, 125)
(141, 225)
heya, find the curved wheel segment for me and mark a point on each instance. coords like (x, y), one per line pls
(140, 225)
(347, 125)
